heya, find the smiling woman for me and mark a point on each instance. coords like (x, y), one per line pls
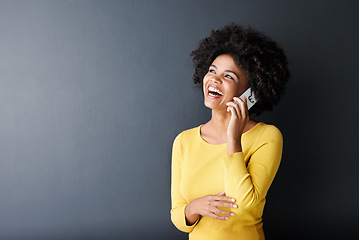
(223, 81)
(222, 170)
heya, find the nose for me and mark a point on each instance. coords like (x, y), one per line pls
(215, 79)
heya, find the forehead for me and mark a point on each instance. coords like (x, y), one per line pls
(226, 62)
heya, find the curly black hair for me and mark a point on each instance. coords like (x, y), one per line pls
(257, 55)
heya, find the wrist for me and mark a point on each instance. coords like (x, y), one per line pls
(233, 146)
(191, 216)
(235, 140)
(190, 212)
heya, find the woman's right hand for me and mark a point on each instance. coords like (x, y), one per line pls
(208, 206)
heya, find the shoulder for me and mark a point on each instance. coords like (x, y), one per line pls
(184, 139)
(187, 134)
(269, 132)
(270, 129)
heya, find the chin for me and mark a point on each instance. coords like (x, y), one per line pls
(208, 105)
(213, 106)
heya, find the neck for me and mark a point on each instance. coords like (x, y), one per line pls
(219, 122)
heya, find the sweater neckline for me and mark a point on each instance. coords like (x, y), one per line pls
(223, 144)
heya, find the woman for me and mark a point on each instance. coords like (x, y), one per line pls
(222, 170)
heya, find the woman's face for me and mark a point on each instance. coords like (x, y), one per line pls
(223, 81)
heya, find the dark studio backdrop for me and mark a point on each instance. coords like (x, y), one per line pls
(92, 94)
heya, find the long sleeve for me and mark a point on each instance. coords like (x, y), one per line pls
(178, 202)
(249, 184)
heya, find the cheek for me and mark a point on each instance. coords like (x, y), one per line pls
(205, 79)
(237, 90)
(237, 93)
(232, 91)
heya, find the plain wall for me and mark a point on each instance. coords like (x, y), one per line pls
(92, 94)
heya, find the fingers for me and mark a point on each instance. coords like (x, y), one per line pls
(218, 211)
(223, 193)
(239, 105)
(215, 212)
(212, 215)
(226, 205)
(220, 198)
(243, 105)
(234, 108)
(246, 106)
(222, 204)
(216, 201)
(211, 205)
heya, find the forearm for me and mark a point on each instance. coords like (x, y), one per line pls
(248, 181)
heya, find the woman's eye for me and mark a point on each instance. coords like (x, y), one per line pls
(211, 71)
(229, 76)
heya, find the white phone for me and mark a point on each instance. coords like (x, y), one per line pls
(251, 100)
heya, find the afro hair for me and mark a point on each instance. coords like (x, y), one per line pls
(257, 55)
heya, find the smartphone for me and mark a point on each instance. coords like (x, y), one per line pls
(251, 100)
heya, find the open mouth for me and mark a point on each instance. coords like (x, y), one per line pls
(214, 92)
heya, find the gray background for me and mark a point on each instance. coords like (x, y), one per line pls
(92, 94)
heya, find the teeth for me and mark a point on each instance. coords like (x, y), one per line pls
(212, 89)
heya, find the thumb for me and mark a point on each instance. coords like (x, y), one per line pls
(223, 193)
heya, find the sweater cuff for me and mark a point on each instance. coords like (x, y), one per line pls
(180, 220)
(234, 164)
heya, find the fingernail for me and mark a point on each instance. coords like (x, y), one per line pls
(235, 206)
(232, 214)
(233, 200)
(226, 218)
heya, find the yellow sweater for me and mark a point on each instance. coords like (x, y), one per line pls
(200, 168)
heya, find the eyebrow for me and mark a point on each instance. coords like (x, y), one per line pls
(226, 70)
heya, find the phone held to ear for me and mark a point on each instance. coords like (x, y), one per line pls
(250, 97)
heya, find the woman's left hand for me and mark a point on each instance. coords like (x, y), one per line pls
(239, 119)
